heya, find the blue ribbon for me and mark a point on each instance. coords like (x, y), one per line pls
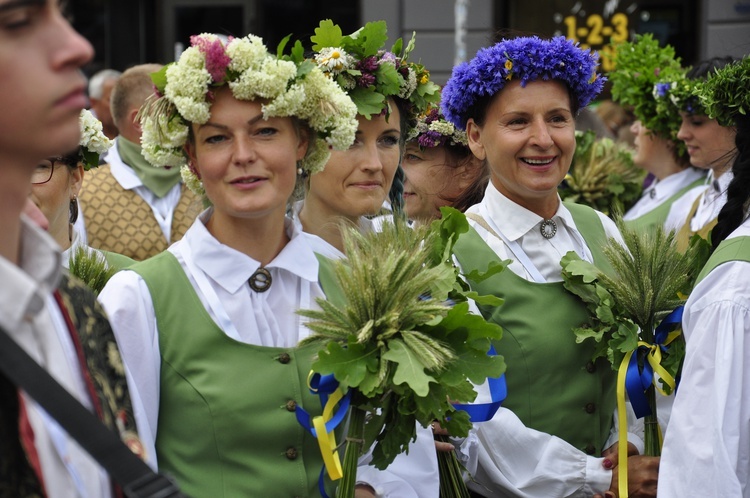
(482, 412)
(323, 386)
(638, 379)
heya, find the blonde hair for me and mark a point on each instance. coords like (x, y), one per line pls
(131, 90)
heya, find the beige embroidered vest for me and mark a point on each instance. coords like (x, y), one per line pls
(120, 221)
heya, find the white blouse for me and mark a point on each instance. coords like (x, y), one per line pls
(713, 196)
(661, 190)
(707, 444)
(265, 319)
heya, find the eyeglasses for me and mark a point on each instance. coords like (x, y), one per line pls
(44, 170)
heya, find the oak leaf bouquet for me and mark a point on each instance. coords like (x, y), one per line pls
(401, 338)
(635, 300)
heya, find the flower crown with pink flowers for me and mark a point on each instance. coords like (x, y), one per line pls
(288, 85)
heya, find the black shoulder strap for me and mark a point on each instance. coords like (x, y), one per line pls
(136, 478)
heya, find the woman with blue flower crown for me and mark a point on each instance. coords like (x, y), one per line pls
(517, 101)
(707, 445)
(209, 327)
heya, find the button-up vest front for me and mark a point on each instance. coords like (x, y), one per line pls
(227, 426)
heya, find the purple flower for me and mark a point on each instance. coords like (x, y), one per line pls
(662, 89)
(366, 80)
(430, 138)
(217, 60)
(389, 57)
(368, 64)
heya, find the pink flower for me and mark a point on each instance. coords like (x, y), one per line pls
(217, 60)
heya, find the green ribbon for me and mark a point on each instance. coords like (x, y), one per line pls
(158, 180)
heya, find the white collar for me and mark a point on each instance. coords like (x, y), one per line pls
(232, 269)
(25, 287)
(517, 220)
(671, 184)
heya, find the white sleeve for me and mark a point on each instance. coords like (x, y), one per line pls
(506, 458)
(127, 302)
(707, 444)
(410, 475)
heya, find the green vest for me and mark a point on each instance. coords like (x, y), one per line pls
(658, 215)
(227, 426)
(734, 249)
(553, 386)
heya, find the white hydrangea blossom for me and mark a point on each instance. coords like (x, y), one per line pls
(192, 181)
(410, 84)
(268, 81)
(317, 156)
(92, 137)
(443, 127)
(246, 53)
(163, 140)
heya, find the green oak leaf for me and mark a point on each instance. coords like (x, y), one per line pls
(368, 101)
(409, 370)
(372, 36)
(349, 365)
(327, 34)
(389, 81)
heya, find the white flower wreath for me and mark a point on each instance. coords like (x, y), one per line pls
(291, 88)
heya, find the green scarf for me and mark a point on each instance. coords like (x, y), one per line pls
(158, 180)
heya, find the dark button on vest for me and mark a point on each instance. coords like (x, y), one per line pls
(284, 358)
(291, 453)
(590, 408)
(291, 405)
(590, 449)
(590, 367)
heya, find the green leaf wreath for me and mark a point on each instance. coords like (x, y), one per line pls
(647, 278)
(602, 175)
(403, 338)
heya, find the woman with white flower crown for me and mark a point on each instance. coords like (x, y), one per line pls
(57, 181)
(389, 92)
(355, 184)
(518, 101)
(209, 326)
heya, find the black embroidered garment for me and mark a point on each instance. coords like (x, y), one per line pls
(104, 375)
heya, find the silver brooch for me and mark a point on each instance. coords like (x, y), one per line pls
(260, 281)
(548, 229)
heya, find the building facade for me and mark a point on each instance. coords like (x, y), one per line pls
(130, 32)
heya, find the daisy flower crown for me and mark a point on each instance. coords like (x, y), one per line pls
(370, 74)
(526, 59)
(289, 86)
(434, 130)
(643, 68)
(93, 141)
(724, 94)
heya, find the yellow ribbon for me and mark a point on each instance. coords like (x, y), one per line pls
(327, 440)
(654, 359)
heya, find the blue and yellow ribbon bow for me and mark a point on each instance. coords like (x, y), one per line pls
(636, 381)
